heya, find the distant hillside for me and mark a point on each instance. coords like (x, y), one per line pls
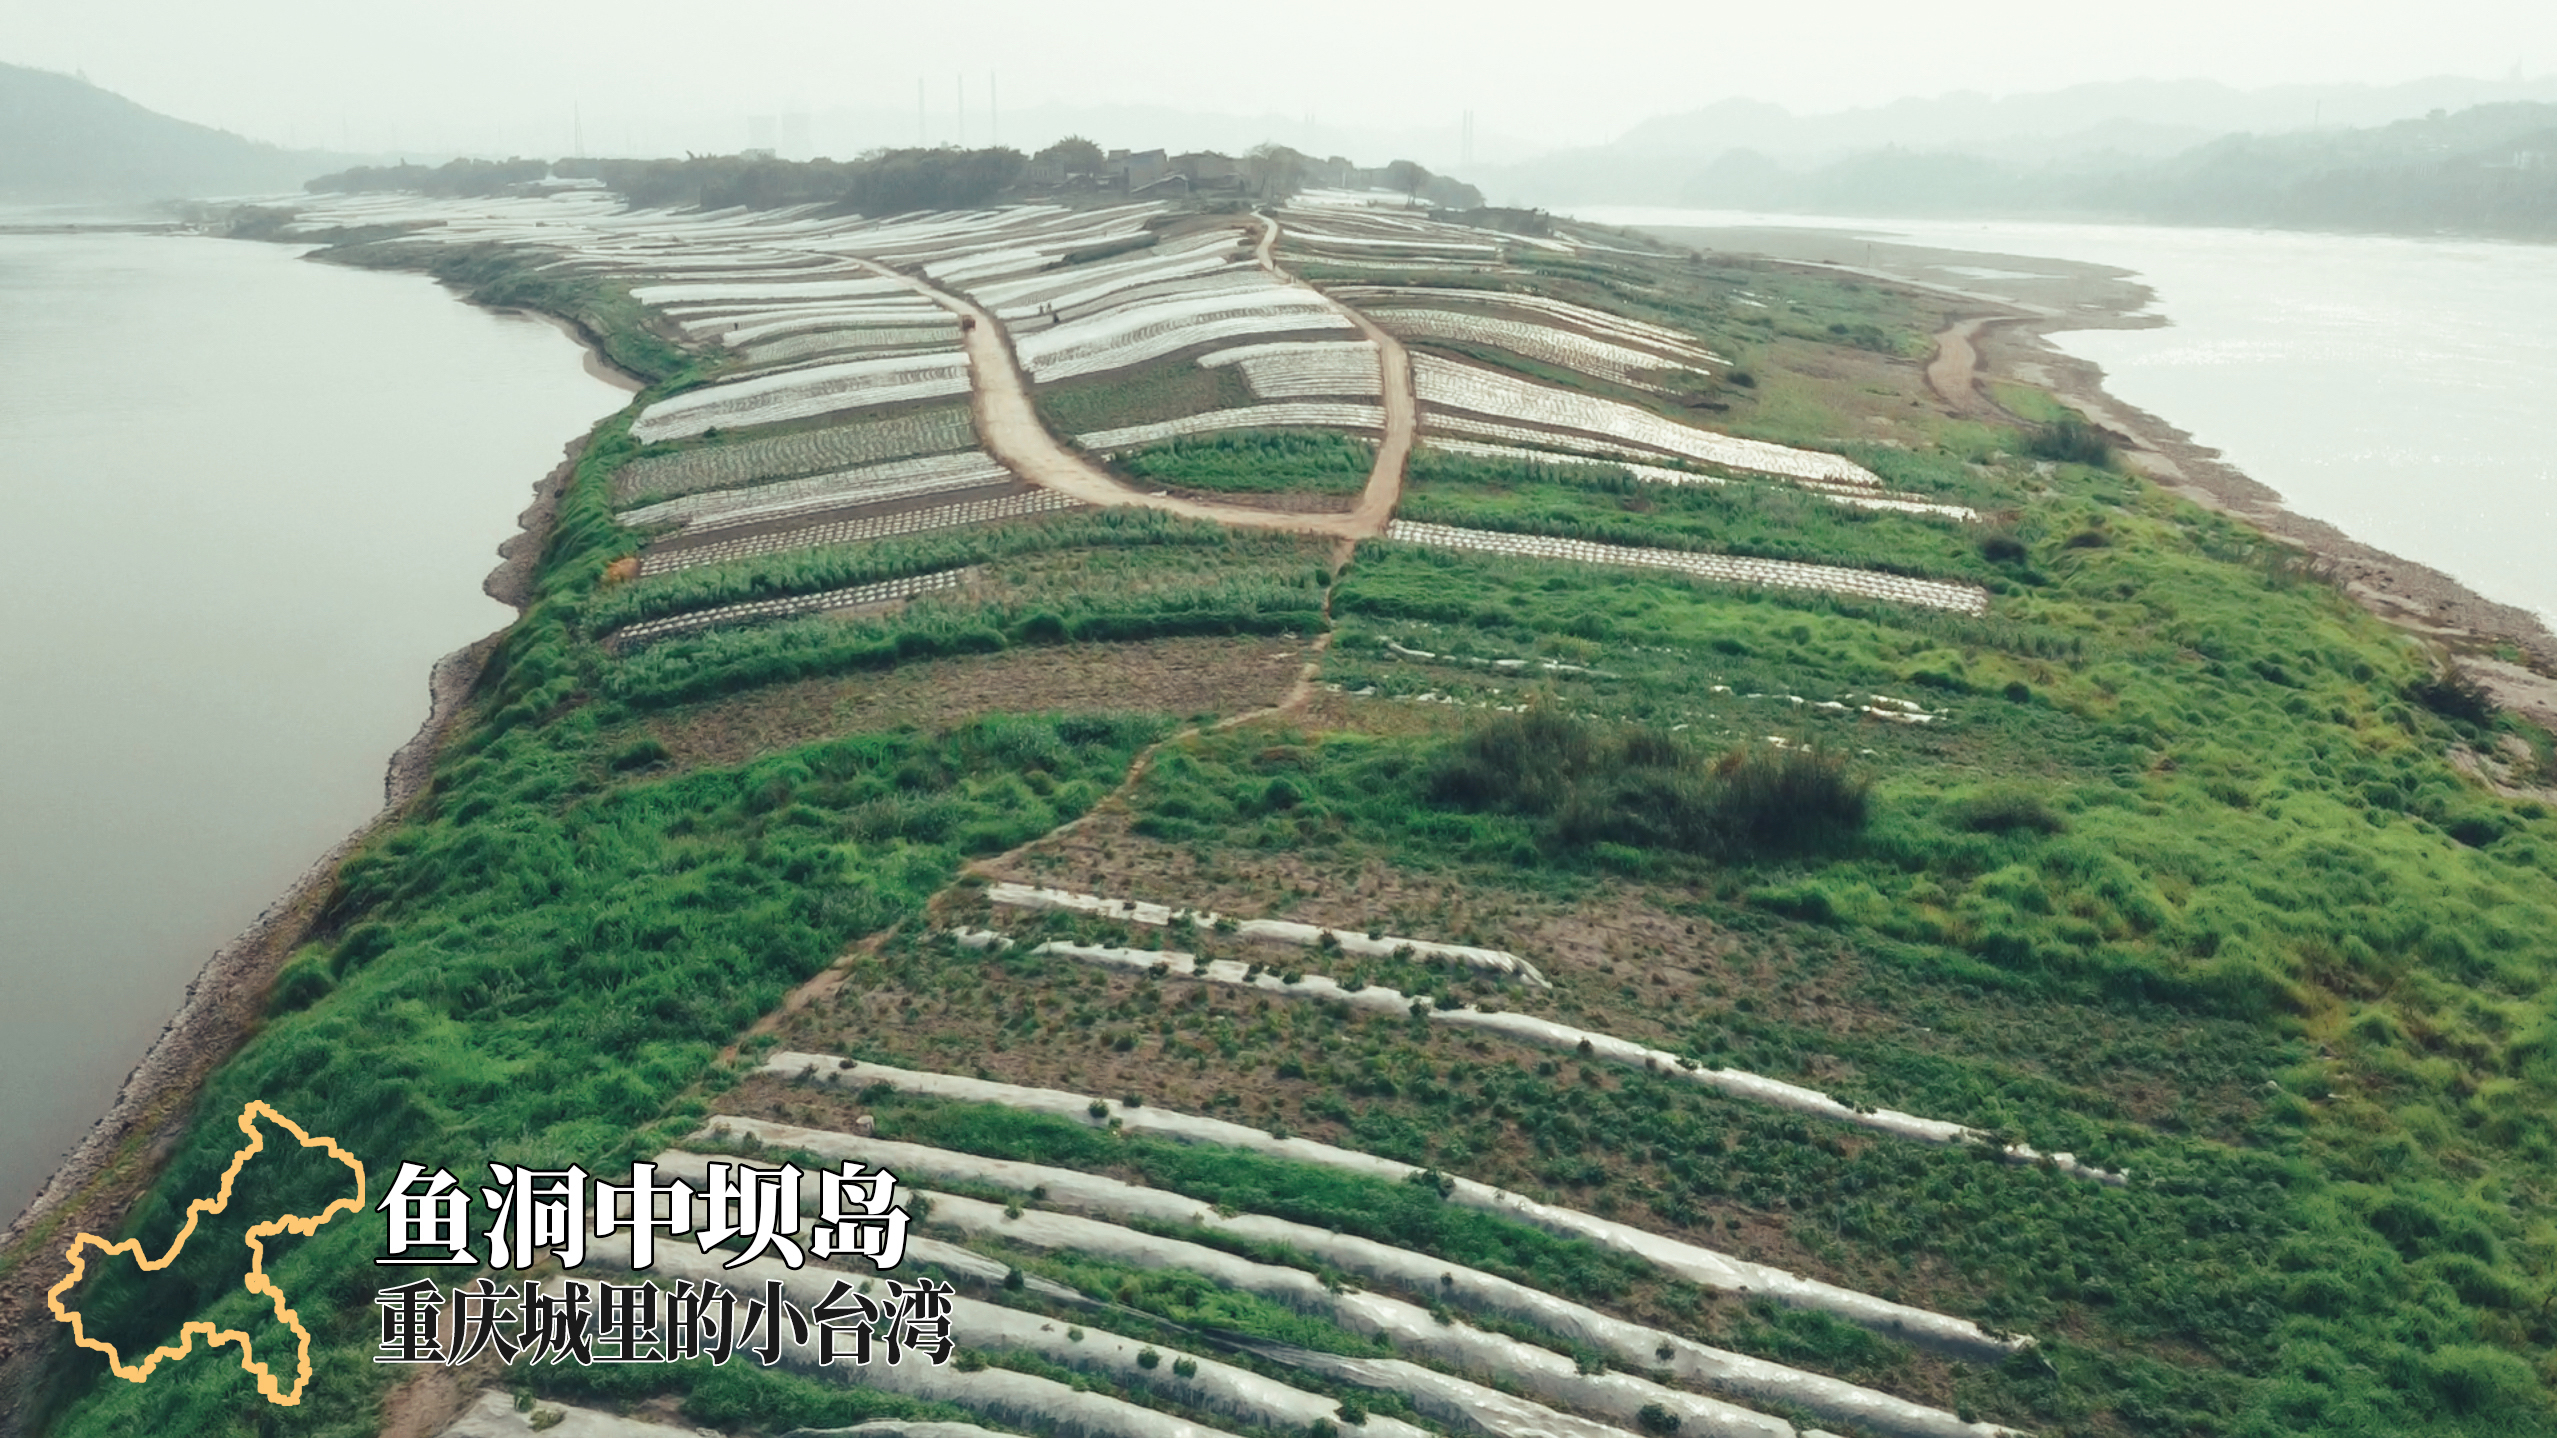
(2446, 154)
(2487, 170)
(62, 138)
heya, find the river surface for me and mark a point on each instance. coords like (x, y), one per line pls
(249, 502)
(2399, 389)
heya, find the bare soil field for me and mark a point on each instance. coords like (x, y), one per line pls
(1165, 676)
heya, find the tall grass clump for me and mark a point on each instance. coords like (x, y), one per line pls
(2070, 440)
(1593, 783)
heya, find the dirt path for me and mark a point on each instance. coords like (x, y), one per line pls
(1299, 695)
(1012, 431)
(1953, 372)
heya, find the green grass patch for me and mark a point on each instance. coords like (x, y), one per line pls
(1610, 506)
(1143, 394)
(1256, 462)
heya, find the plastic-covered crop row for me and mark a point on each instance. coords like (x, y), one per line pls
(818, 344)
(1305, 368)
(896, 479)
(1292, 414)
(856, 531)
(1276, 931)
(798, 394)
(741, 291)
(1600, 323)
(1086, 284)
(1726, 568)
(1444, 383)
(1545, 1033)
(1562, 348)
(1135, 333)
(884, 592)
(1675, 1257)
(1194, 1381)
(1634, 1345)
(806, 451)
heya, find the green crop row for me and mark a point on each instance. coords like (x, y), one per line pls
(1256, 462)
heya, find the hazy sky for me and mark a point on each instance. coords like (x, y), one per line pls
(489, 76)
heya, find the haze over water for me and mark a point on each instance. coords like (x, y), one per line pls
(251, 501)
(2396, 388)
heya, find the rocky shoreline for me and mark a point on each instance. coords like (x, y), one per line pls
(2406, 593)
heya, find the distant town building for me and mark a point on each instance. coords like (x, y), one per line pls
(1138, 169)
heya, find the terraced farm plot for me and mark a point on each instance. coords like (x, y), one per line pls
(1523, 408)
(1529, 493)
(1601, 359)
(1168, 390)
(802, 393)
(1189, 677)
(1308, 414)
(721, 546)
(818, 344)
(1132, 334)
(1303, 370)
(1723, 568)
(786, 456)
(1038, 576)
(870, 484)
(1572, 320)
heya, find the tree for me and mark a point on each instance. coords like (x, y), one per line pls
(1074, 155)
(1407, 177)
(1274, 170)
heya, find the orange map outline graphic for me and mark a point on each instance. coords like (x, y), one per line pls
(257, 1282)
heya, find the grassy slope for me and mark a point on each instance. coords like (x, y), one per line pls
(2261, 943)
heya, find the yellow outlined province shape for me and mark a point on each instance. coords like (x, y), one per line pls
(257, 1282)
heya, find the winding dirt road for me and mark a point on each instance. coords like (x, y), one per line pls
(1011, 430)
(1953, 371)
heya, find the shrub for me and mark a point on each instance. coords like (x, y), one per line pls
(1634, 785)
(1656, 1419)
(639, 754)
(2476, 1379)
(2454, 694)
(2005, 812)
(303, 983)
(2070, 440)
(2003, 548)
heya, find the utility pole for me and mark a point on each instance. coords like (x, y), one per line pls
(963, 112)
(920, 138)
(994, 113)
(577, 127)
